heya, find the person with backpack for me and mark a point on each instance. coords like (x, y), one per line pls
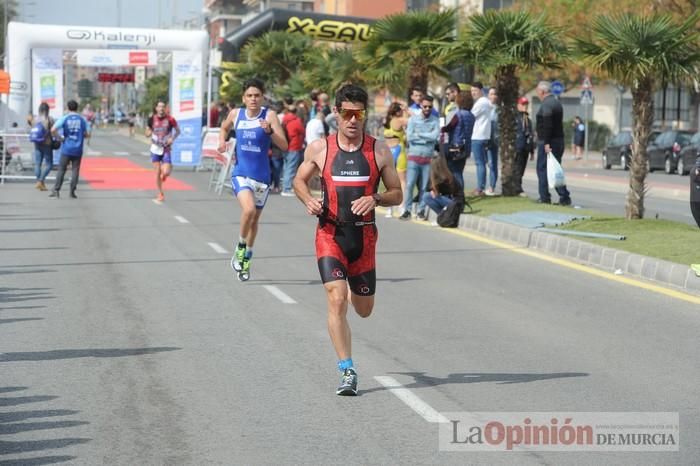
(445, 193)
(459, 128)
(40, 135)
(74, 129)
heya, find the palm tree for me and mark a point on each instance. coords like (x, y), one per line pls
(404, 49)
(641, 52)
(328, 68)
(275, 57)
(505, 42)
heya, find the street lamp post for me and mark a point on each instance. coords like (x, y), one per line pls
(205, 16)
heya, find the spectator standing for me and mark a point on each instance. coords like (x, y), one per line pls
(422, 135)
(494, 141)
(395, 137)
(294, 130)
(550, 138)
(579, 137)
(459, 136)
(524, 143)
(74, 129)
(43, 152)
(314, 129)
(481, 134)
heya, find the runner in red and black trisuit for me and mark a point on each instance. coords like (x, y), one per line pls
(351, 164)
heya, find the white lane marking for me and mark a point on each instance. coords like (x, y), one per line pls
(156, 201)
(279, 294)
(413, 402)
(181, 219)
(121, 153)
(217, 247)
(145, 154)
(94, 152)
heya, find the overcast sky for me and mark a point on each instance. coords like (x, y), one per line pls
(134, 13)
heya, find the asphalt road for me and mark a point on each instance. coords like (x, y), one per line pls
(125, 339)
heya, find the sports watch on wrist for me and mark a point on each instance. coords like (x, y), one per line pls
(377, 198)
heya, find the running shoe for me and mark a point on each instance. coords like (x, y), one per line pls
(244, 274)
(348, 384)
(237, 258)
(161, 197)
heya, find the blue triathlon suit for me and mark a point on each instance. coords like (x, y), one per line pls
(252, 169)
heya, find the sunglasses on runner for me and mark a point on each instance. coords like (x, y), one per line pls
(348, 113)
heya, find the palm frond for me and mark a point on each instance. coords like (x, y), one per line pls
(506, 37)
(630, 48)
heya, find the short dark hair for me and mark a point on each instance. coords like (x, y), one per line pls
(427, 97)
(417, 88)
(477, 84)
(72, 105)
(351, 93)
(453, 86)
(254, 82)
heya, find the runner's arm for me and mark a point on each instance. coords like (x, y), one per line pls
(176, 127)
(308, 168)
(226, 128)
(149, 127)
(277, 135)
(393, 194)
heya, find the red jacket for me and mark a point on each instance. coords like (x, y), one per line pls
(294, 129)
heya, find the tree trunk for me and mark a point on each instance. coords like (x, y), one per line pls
(418, 77)
(507, 87)
(643, 118)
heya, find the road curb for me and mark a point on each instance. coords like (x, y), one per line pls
(609, 259)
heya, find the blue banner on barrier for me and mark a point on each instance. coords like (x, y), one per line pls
(187, 148)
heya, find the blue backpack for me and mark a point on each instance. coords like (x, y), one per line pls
(38, 133)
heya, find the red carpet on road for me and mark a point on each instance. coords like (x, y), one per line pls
(121, 173)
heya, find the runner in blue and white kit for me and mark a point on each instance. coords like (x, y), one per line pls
(256, 127)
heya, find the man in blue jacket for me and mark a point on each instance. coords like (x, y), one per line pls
(422, 135)
(74, 129)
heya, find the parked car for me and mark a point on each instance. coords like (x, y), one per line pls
(664, 151)
(688, 155)
(619, 149)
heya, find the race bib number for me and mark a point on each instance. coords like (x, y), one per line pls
(259, 187)
(157, 150)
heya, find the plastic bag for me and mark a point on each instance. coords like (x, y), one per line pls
(555, 174)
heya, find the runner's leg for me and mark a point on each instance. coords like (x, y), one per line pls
(338, 327)
(165, 170)
(159, 183)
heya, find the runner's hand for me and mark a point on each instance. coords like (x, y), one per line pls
(265, 125)
(222, 148)
(314, 207)
(363, 205)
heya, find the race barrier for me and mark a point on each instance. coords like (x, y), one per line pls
(219, 164)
